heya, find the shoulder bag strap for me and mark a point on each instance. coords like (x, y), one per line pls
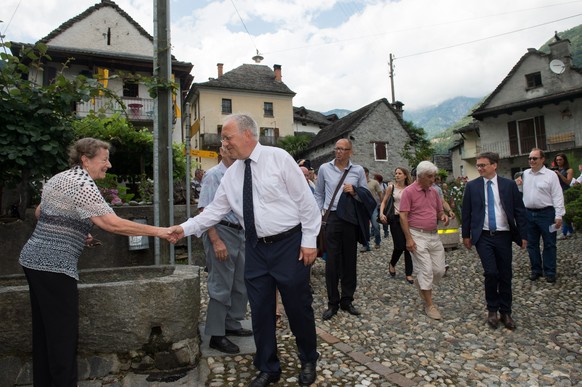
(324, 220)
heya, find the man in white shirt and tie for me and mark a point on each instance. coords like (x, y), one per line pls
(281, 221)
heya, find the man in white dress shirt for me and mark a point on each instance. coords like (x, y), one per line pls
(544, 202)
(287, 221)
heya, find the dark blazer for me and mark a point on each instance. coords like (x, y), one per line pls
(358, 212)
(473, 210)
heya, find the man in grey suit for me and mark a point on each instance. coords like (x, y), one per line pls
(493, 216)
(224, 245)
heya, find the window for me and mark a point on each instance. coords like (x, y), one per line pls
(380, 151)
(130, 89)
(226, 106)
(268, 108)
(268, 132)
(533, 80)
(49, 75)
(526, 134)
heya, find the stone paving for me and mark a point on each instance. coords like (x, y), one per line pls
(393, 343)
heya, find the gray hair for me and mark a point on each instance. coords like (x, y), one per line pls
(244, 122)
(85, 147)
(426, 167)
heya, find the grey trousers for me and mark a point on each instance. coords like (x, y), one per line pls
(227, 305)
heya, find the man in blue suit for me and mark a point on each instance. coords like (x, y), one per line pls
(493, 216)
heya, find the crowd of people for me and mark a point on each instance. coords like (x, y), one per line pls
(260, 217)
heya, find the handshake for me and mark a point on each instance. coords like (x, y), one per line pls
(172, 234)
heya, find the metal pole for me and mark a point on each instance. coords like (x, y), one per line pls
(187, 140)
(392, 77)
(162, 74)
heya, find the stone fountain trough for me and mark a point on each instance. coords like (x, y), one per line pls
(142, 319)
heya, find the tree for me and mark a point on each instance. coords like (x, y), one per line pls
(418, 148)
(295, 145)
(35, 120)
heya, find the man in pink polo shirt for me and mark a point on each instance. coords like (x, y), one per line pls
(420, 209)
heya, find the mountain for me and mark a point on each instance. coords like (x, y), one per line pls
(341, 113)
(436, 119)
(574, 35)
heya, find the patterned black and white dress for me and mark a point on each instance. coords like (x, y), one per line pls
(69, 199)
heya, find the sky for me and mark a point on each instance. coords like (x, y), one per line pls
(335, 53)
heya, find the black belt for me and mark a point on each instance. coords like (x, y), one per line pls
(232, 225)
(492, 233)
(540, 209)
(283, 235)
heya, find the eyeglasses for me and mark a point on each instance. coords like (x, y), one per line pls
(226, 138)
(482, 165)
(533, 158)
(342, 149)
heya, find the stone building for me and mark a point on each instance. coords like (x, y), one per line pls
(378, 134)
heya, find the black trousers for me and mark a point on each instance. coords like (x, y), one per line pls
(341, 263)
(277, 266)
(496, 257)
(400, 246)
(55, 328)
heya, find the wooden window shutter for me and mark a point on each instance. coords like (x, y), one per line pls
(540, 132)
(513, 143)
(276, 133)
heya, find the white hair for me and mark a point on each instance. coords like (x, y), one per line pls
(426, 167)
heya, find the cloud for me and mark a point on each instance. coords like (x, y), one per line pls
(335, 53)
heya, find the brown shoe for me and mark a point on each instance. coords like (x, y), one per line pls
(492, 320)
(507, 321)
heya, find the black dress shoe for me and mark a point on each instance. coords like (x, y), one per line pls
(239, 332)
(351, 309)
(534, 276)
(308, 374)
(264, 379)
(329, 313)
(507, 321)
(222, 344)
(492, 320)
(551, 279)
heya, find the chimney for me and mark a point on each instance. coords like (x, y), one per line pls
(277, 69)
(398, 109)
(219, 65)
(560, 49)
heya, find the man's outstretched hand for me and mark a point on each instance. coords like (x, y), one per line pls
(175, 233)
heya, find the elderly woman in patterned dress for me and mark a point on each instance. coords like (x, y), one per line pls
(70, 205)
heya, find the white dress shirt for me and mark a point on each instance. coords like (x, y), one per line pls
(542, 189)
(281, 197)
(500, 218)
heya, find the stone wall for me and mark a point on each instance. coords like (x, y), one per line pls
(141, 319)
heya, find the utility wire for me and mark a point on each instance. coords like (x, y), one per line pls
(11, 17)
(486, 38)
(245, 26)
(429, 26)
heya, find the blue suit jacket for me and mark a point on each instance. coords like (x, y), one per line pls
(473, 210)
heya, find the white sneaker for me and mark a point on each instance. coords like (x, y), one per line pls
(432, 312)
(561, 237)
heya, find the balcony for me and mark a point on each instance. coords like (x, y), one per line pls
(562, 141)
(523, 145)
(137, 109)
